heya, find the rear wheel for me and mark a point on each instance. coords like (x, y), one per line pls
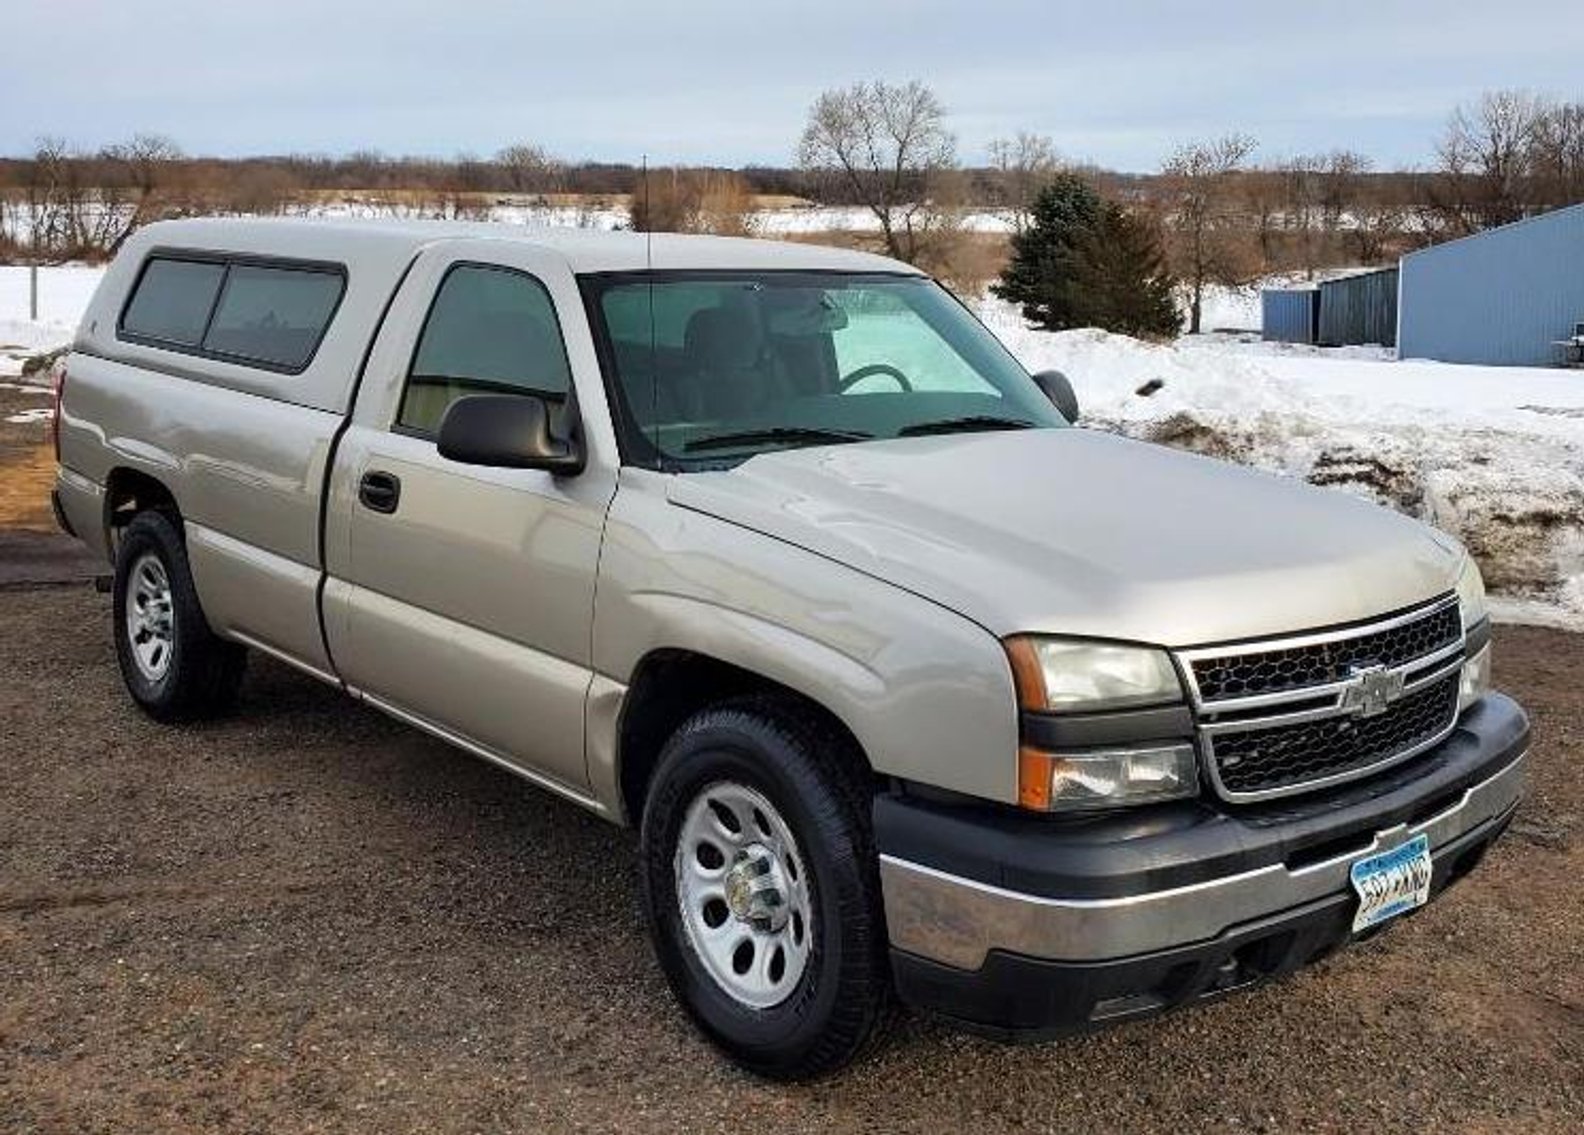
(173, 665)
(761, 887)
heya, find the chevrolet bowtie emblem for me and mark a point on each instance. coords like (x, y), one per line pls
(1370, 690)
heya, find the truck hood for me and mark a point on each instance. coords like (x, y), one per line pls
(1072, 532)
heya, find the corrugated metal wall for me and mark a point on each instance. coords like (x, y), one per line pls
(1359, 310)
(1501, 297)
(1289, 316)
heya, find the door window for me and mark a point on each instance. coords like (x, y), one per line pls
(490, 331)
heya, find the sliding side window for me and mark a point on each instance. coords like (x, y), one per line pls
(262, 315)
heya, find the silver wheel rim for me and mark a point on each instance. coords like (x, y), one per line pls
(742, 883)
(150, 616)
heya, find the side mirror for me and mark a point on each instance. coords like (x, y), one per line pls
(509, 431)
(1055, 386)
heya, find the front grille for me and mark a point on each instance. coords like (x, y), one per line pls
(1283, 716)
(1316, 664)
(1282, 756)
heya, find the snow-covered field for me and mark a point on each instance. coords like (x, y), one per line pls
(1494, 455)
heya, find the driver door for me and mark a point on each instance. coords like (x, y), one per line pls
(461, 596)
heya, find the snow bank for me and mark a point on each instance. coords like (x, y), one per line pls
(1494, 455)
(63, 295)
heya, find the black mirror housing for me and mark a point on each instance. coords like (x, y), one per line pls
(509, 431)
(1055, 386)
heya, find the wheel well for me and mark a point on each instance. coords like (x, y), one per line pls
(129, 492)
(670, 686)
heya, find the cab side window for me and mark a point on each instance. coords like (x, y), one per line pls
(489, 331)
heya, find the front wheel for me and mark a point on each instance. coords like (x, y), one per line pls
(761, 887)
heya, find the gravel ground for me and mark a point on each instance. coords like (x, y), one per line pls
(309, 917)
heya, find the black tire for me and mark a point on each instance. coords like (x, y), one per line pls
(199, 673)
(809, 772)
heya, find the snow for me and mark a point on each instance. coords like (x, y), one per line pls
(786, 221)
(1494, 455)
(1227, 309)
(589, 216)
(63, 295)
(819, 218)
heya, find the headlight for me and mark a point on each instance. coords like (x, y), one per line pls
(1471, 592)
(1074, 676)
(1050, 782)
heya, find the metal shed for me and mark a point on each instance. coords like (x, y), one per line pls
(1507, 296)
(1289, 315)
(1359, 310)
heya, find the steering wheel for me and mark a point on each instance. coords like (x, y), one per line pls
(869, 371)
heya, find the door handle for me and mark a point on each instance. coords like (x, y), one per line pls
(379, 491)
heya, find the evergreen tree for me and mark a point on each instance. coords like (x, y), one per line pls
(1043, 272)
(1123, 279)
(1083, 262)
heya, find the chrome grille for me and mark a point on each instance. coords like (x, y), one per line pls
(1260, 760)
(1264, 671)
(1295, 714)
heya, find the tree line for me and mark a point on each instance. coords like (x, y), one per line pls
(1209, 216)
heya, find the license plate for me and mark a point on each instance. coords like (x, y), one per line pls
(1392, 882)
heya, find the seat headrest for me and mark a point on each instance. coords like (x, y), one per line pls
(719, 339)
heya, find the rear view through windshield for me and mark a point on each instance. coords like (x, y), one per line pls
(720, 367)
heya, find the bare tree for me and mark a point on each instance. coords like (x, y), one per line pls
(53, 201)
(137, 188)
(1557, 155)
(1376, 226)
(1485, 162)
(1299, 178)
(1264, 199)
(1340, 179)
(887, 146)
(531, 169)
(1023, 165)
(1207, 239)
(1320, 196)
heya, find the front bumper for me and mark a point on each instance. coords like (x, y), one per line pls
(1026, 926)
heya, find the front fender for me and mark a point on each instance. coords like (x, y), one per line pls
(927, 693)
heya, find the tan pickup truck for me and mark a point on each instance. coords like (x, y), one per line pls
(911, 688)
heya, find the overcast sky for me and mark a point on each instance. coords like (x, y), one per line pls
(1117, 82)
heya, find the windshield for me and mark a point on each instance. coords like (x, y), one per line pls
(712, 368)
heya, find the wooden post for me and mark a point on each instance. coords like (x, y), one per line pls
(33, 291)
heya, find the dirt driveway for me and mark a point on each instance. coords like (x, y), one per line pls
(309, 917)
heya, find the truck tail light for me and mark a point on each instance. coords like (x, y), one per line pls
(55, 407)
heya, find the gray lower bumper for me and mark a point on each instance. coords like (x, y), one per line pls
(957, 921)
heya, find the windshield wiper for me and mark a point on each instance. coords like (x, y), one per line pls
(774, 435)
(964, 425)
